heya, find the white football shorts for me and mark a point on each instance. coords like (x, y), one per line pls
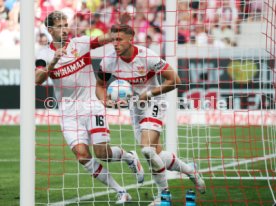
(148, 116)
(87, 129)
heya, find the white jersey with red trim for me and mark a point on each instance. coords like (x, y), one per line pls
(73, 77)
(140, 71)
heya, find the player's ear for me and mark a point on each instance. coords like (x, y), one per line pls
(50, 30)
(130, 39)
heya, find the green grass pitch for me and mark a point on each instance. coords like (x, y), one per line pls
(59, 177)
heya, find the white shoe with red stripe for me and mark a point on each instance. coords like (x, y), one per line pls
(123, 197)
(137, 168)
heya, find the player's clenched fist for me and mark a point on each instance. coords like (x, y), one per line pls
(59, 53)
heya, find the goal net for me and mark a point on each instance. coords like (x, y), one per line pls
(225, 113)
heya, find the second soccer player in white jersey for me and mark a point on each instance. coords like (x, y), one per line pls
(140, 67)
(68, 63)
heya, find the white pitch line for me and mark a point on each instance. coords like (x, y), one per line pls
(9, 160)
(216, 168)
(97, 194)
(232, 164)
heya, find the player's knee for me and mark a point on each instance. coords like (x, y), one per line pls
(148, 152)
(159, 148)
(82, 153)
(84, 158)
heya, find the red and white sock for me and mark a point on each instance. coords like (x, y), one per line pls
(119, 154)
(103, 175)
(173, 163)
(157, 166)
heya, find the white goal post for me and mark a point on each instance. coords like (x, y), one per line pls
(171, 58)
(27, 104)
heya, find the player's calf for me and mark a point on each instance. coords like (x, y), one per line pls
(82, 153)
(153, 159)
(157, 167)
(173, 163)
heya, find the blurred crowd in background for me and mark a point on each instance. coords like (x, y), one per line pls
(200, 22)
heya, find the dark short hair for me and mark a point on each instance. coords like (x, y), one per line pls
(52, 17)
(122, 28)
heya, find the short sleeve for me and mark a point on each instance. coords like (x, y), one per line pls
(154, 61)
(94, 43)
(107, 62)
(105, 76)
(102, 64)
(88, 42)
(83, 43)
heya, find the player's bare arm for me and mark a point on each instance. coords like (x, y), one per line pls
(101, 93)
(100, 89)
(104, 39)
(41, 74)
(171, 81)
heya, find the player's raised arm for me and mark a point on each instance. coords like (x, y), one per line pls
(104, 39)
(123, 18)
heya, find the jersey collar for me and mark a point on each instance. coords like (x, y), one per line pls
(54, 48)
(132, 57)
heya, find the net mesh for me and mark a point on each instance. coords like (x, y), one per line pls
(226, 109)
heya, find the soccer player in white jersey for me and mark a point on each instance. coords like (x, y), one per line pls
(140, 67)
(83, 119)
